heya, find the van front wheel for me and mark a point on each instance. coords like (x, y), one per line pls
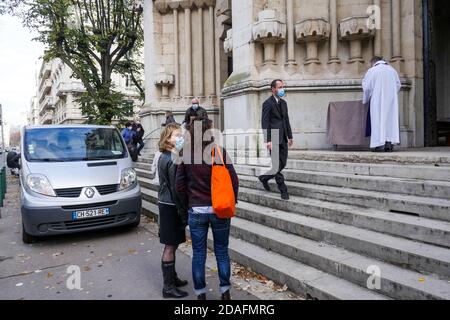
(27, 238)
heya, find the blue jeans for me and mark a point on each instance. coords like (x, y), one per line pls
(199, 225)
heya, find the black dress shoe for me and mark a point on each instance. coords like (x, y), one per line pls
(202, 296)
(264, 183)
(388, 147)
(226, 295)
(174, 293)
(378, 149)
(285, 195)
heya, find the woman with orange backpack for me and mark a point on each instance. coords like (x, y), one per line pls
(211, 196)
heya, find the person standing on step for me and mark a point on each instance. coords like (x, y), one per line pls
(195, 111)
(193, 183)
(275, 118)
(381, 86)
(172, 213)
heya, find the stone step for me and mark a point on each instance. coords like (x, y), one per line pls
(426, 156)
(301, 279)
(145, 173)
(425, 230)
(396, 282)
(421, 206)
(406, 253)
(304, 257)
(423, 172)
(424, 188)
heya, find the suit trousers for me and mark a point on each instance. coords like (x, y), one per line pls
(279, 162)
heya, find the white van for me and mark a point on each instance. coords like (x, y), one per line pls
(76, 178)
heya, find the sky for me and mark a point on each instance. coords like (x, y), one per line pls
(18, 68)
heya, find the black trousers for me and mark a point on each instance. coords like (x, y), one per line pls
(281, 157)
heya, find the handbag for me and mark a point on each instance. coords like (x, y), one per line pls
(222, 193)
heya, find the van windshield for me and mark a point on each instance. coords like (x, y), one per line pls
(73, 144)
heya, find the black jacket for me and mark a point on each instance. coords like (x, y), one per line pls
(276, 116)
(193, 182)
(200, 112)
(167, 194)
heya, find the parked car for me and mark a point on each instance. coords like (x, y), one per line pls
(76, 178)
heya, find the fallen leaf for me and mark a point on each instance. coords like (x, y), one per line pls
(49, 275)
(131, 251)
(87, 268)
(421, 279)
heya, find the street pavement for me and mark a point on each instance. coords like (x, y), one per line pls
(120, 264)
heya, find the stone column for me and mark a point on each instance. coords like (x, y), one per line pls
(290, 32)
(397, 58)
(201, 92)
(377, 51)
(176, 53)
(334, 60)
(212, 58)
(188, 61)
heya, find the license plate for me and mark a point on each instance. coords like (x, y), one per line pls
(86, 214)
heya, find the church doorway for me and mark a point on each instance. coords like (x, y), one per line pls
(437, 72)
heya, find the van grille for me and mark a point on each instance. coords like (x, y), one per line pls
(104, 190)
(68, 193)
(88, 223)
(90, 205)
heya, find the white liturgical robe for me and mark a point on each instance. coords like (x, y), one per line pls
(381, 86)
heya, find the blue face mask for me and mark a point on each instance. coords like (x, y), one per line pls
(281, 93)
(179, 143)
(195, 107)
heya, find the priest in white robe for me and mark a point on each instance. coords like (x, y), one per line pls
(381, 86)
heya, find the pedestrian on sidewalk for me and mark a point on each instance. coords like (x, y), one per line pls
(138, 137)
(275, 118)
(172, 213)
(193, 184)
(381, 86)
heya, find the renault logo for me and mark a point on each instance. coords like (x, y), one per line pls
(89, 193)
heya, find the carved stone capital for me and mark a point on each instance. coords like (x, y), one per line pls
(164, 79)
(356, 28)
(268, 29)
(228, 43)
(312, 30)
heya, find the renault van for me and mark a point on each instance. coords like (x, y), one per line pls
(76, 178)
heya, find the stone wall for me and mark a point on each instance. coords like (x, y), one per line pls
(322, 50)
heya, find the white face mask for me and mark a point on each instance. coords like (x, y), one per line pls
(195, 107)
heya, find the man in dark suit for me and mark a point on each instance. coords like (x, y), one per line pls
(275, 118)
(194, 111)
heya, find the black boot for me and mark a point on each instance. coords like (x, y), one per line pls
(170, 290)
(178, 282)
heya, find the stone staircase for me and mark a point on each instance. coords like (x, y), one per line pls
(345, 217)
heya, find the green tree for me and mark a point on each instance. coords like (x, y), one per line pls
(96, 39)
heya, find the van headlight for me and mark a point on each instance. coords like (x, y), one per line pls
(39, 183)
(128, 179)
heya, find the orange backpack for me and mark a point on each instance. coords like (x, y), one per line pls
(222, 193)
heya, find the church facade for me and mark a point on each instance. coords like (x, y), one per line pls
(226, 52)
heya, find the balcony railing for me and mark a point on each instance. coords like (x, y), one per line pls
(47, 105)
(45, 88)
(47, 118)
(46, 70)
(65, 88)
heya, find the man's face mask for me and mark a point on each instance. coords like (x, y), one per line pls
(195, 107)
(281, 93)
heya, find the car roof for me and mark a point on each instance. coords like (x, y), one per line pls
(74, 126)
